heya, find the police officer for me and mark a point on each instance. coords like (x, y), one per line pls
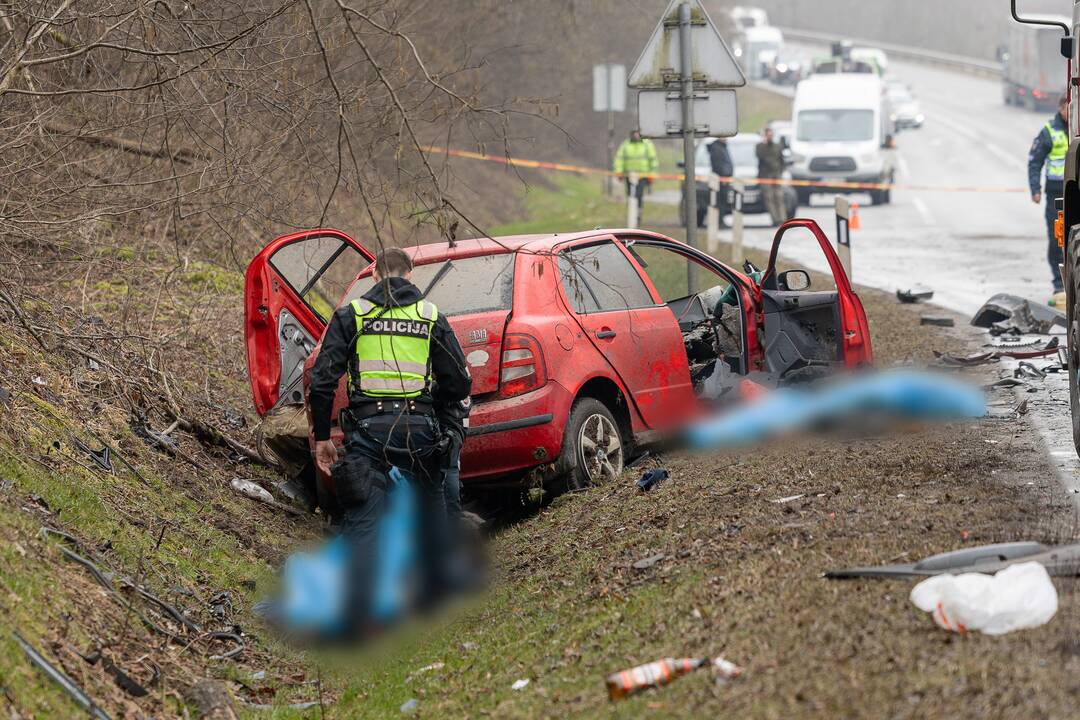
(1050, 147)
(403, 362)
(636, 155)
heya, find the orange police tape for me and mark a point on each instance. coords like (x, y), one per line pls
(836, 184)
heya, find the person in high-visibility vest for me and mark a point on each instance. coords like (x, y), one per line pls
(404, 362)
(636, 155)
(1050, 147)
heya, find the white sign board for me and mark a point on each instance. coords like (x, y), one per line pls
(609, 87)
(712, 63)
(660, 113)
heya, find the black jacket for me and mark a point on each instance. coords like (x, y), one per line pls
(1040, 150)
(451, 375)
(720, 159)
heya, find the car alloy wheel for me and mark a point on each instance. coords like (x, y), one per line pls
(600, 448)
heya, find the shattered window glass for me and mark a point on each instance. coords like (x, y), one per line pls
(319, 270)
(667, 270)
(610, 281)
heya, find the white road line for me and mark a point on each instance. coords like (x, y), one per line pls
(997, 151)
(923, 210)
(905, 171)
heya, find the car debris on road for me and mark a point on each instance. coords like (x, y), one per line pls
(652, 478)
(914, 294)
(938, 320)
(1061, 561)
(1010, 313)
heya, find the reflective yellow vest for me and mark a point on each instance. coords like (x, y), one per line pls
(393, 348)
(636, 157)
(1055, 161)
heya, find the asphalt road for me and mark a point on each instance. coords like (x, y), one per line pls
(965, 246)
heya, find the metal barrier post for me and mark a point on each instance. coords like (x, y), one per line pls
(632, 208)
(843, 233)
(737, 189)
(712, 215)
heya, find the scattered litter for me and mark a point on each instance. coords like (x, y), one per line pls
(77, 694)
(426, 668)
(253, 490)
(39, 381)
(121, 678)
(1019, 597)
(789, 498)
(652, 478)
(662, 672)
(646, 563)
(409, 705)
(92, 364)
(915, 293)
(938, 320)
(102, 457)
(1021, 408)
(520, 684)
(1004, 383)
(468, 645)
(258, 675)
(1010, 313)
(949, 360)
(1027, 370)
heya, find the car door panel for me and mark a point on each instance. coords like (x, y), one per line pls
(290, 290)
(641, 341)
(812, 327)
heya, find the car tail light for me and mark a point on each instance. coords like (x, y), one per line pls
(522, 367)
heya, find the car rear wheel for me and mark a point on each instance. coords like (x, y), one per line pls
(593, 447)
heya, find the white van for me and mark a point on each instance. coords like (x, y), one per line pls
(842, 132)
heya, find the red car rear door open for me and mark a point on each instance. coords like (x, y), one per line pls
(290, 291)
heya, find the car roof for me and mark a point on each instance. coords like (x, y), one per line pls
(434, 252)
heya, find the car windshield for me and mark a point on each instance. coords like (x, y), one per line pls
(836, 125)
(461, 286)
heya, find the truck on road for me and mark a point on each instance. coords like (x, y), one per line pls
(1031, 65)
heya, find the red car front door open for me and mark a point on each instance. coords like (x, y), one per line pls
(290, 291)
(806, 327)
(639, 338)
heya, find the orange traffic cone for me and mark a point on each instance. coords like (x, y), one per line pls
(853, 218)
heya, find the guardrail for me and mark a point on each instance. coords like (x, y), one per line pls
(961, 63)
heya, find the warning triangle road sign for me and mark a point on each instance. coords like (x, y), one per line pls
(712, 62)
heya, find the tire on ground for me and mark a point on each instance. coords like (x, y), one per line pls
(583, 464)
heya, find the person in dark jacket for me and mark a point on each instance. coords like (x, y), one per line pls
(1050, 148)
(770, 157)
(404, 362)
(722, 165)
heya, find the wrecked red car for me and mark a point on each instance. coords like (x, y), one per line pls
(581, 346)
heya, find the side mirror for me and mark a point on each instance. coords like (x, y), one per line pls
(1068, 46)
(793, 280)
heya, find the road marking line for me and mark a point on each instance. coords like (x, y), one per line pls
(923, 210)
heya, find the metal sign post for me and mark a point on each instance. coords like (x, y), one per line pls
(609, 96)
(690, 176)
(843, 233)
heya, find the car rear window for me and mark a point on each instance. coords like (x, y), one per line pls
(460, 286)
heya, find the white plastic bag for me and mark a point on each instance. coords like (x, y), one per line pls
(1020, 596)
